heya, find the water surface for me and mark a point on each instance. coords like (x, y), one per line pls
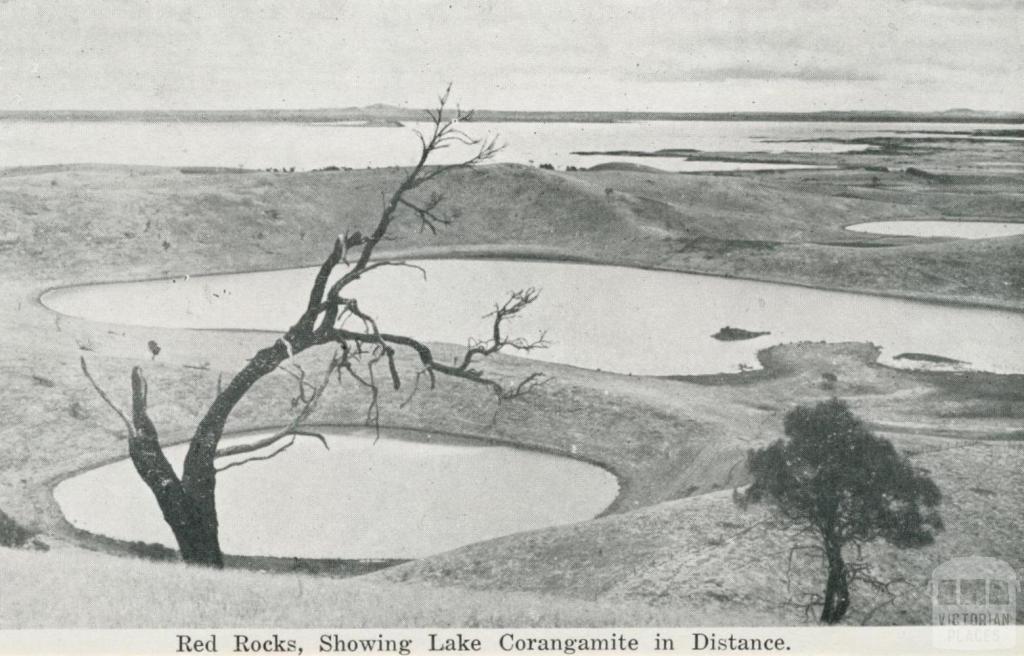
(261, 145)
(396, 498)
(599, 317)
(957, 229)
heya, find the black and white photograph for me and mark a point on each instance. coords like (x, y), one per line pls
(511, 327)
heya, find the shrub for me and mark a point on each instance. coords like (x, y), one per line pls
(13, 534)
(152, 550)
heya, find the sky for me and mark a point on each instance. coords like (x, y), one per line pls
(643, 55)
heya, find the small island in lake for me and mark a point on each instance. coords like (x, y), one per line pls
(730, 334)
(927, 357)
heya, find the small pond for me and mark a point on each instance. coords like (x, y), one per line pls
(957, 229)
(598, 317)
(406, 496)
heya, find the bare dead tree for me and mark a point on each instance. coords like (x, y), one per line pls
(365, 353)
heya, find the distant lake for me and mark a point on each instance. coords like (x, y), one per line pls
(955, 229)
(305, 146)
(599, 317)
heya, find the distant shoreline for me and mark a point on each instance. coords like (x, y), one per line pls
(394, 116)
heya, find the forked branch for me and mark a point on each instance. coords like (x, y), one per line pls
(106, 399)
(310, 395)
(462, 367)
(517, 302)
(331, 316)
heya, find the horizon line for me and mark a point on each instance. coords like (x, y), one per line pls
(382, 108)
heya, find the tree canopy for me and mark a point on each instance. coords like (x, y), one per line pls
(833, 477)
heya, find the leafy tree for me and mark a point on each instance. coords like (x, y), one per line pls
(836, 480)
(332, 319)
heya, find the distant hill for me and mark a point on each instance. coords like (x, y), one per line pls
(382, 114)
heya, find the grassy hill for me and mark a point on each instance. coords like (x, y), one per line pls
(661, 555)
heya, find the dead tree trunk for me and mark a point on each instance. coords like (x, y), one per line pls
(188, 503)
(199, 474)
(194, 527)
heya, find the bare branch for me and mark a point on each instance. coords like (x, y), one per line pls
(146, 453)
(813, 548)
(342, 245)
(292, 429)
(517, 302)
(526, 386)
(300, 378)
(239, 449)
(334, 297)
(373, 408)
(429, 218)
(860, 571)
(106, 399)
(458, 370)
(393, 369)
(443, 133)
(268, 456)
(416, 385)
(489, 148)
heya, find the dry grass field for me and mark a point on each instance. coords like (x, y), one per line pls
(673, 550)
